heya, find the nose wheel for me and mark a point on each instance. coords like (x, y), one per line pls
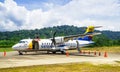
(20, 52)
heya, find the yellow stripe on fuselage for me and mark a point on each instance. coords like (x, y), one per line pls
(30, 45)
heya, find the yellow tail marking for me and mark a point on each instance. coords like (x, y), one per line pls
(90, 29)
(30, 45)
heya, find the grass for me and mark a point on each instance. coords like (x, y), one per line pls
(6, 49)
(118, 62)
(102, 49)
(108, 49)
(70, 67)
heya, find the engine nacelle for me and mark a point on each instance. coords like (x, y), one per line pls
(59, 39)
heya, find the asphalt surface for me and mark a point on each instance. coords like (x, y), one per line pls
(12, 59)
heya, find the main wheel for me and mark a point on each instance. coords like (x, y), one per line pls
(62, 52)
(48, 52)
(54, 52)
(20, 52)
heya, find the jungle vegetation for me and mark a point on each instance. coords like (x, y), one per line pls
(107, 38)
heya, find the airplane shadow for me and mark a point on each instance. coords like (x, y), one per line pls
(58, 53)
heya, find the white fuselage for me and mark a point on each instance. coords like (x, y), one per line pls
(46, 44)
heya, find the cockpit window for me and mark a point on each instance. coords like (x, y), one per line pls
(22, 41)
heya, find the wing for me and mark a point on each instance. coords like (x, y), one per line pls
(71, 37)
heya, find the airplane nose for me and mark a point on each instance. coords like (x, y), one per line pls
(14, 47)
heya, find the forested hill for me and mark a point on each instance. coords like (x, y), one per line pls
(47, 33)
(111, 34)
(108, 38)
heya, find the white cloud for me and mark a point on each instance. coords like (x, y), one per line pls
(12, 17)
(77, 12)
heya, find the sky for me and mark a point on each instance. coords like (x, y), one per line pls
(37, 14)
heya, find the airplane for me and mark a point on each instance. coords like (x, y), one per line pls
(57, 44)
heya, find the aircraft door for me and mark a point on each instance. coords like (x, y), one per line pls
(35, 45)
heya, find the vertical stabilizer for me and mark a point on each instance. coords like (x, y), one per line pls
(90, 29)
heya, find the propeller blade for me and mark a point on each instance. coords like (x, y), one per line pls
(53, 40)
(78, 46)
(54, 34)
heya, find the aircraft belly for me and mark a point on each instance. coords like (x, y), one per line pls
(72, 48)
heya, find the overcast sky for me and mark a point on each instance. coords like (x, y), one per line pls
(32, 14)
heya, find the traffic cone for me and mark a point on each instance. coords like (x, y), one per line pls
(95, 53)
(80, 51)
(67, 53)
(105, 54)
(99, 53)
(89, 52)
(83, 52)
(4, 53)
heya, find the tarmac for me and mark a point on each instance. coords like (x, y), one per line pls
(12, 59)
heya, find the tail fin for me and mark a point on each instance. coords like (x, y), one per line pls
(90, 29)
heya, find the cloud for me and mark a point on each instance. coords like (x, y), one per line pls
(11, 16)
(76, 12)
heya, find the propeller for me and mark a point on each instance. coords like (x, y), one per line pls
(78, 46)
(53, 40)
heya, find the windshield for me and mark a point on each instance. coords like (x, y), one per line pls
(22, 41)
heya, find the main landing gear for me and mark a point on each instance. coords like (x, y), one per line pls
(62, 52)
(20, 52)
(54, 52)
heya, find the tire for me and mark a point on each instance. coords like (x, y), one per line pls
(62, 52)
(54, 52)
(20, 52)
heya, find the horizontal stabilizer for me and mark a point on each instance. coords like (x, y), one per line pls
(96, 33)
